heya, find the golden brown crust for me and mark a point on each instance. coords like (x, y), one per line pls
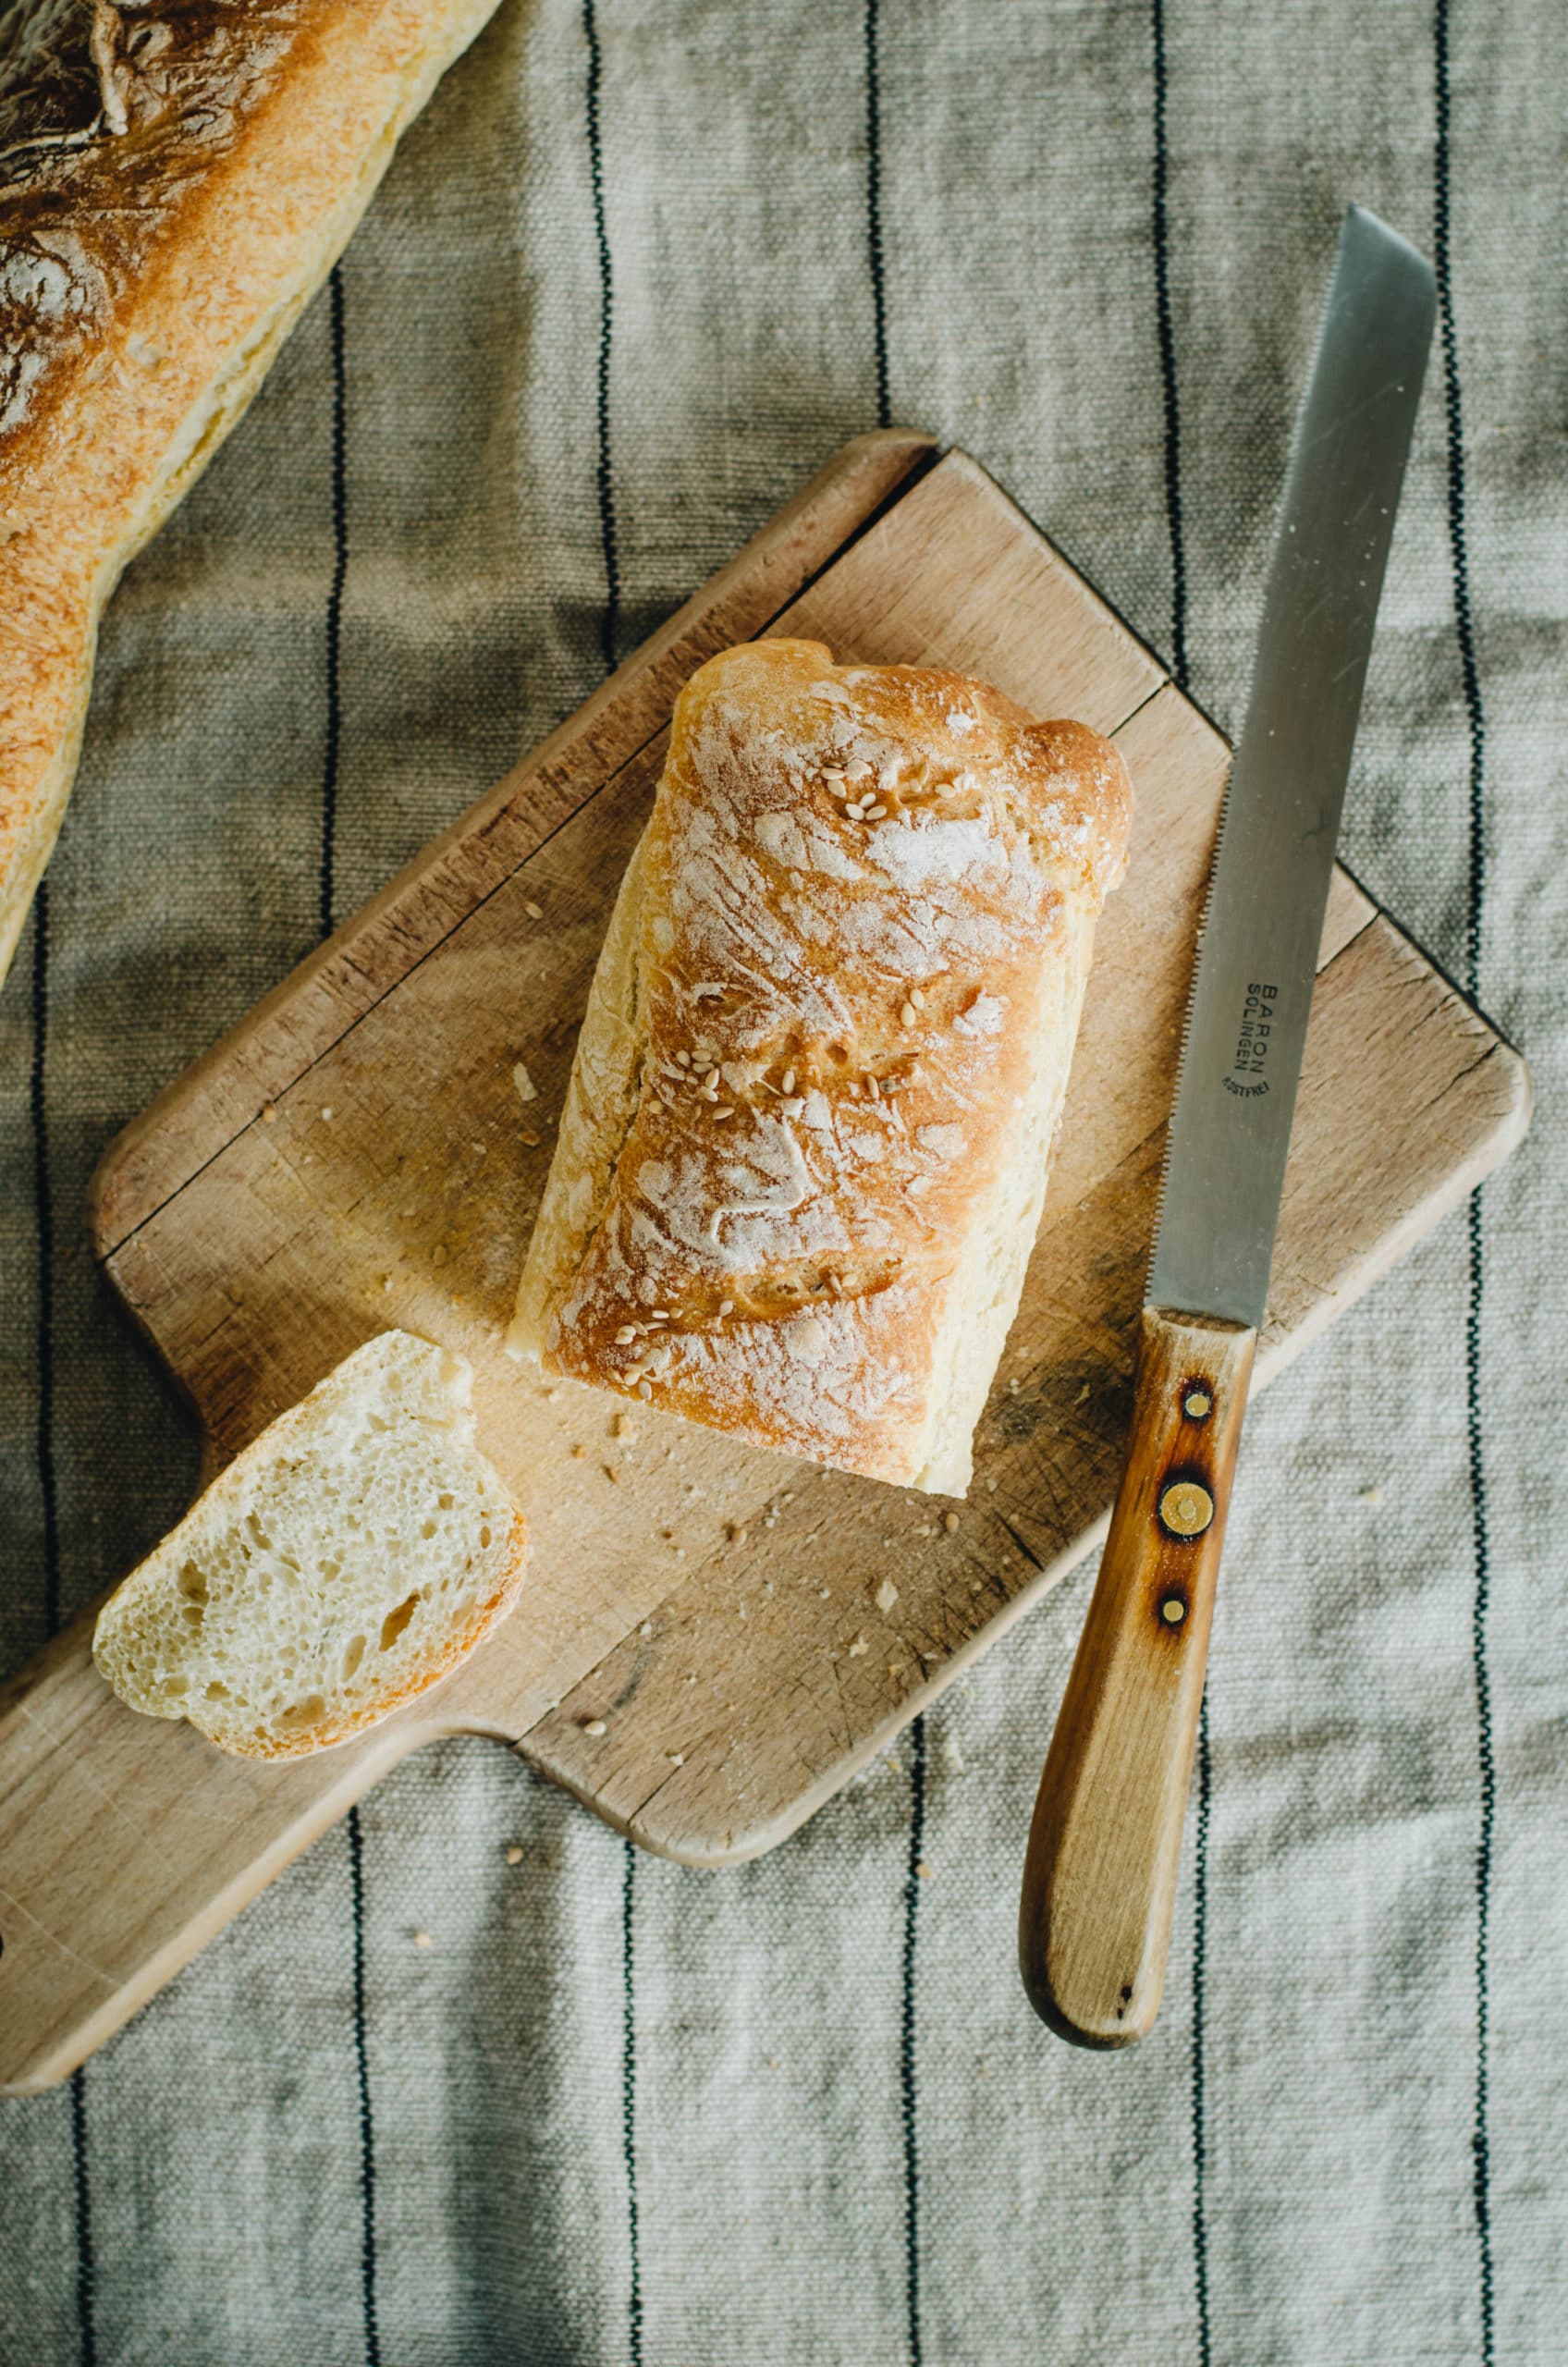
(865, 902)
(176, 180)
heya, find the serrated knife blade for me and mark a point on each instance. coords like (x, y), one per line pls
(1252, 995)
(1100, 1877)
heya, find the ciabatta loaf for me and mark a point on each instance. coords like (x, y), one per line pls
(354, 1553)
(802, 1161)
(176, 176)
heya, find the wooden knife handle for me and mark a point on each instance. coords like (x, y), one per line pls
(1100, 1879)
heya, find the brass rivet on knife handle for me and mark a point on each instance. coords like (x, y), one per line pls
(1100, 1879)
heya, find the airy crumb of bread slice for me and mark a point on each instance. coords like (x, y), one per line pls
(353, 1555)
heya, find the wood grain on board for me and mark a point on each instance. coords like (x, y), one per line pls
(701, 1655)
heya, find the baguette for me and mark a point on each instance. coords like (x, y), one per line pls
(176, 180)
(350, 1558)
(802, 1157)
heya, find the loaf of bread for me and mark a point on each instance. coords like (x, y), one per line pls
(176, 176)
(353, 1555)
(803, 1151)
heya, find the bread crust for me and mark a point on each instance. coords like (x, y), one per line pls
(176, 181)
(825, 1052)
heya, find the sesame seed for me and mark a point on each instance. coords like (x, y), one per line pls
(269, 1116)
(514, 1853)
(949, 1522)
(875, 813)
(683, 1060)
(831, 772)
(728, 1111)
(625, 1336)
(594, 1726)
(793, 1107)
(906, 1015)
(918, 996)
(661, 1315)
(859, 770)
(644, 1391)
(533, 913)
(789, 1084)
(727, 1307)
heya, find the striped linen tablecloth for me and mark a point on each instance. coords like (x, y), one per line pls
(636, 273)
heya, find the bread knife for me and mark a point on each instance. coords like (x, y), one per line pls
(1100, 1879)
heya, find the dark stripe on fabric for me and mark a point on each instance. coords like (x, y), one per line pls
(1480, 2138)
(1463, 614)
(362, 2073)
(328, 871)
(610, 621)
(1464, 629)
(87, 2340)
(327, 888)
(1199, 2093)
(44, 1206)
(1167, 332)
(873, 207)
(608, 631)
(629, 2099)
(43, 1211)
(909, 2089)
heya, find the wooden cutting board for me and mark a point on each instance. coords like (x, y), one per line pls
(706, 1648)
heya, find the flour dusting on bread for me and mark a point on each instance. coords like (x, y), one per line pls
(802, 1158)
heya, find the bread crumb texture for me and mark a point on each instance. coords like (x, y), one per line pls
(804, 1144)
(347, 1560)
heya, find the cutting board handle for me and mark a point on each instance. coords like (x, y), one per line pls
(1100, 1879)
(126, 1841)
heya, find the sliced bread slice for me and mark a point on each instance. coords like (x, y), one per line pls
(353, 1554)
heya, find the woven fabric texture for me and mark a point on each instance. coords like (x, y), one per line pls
(636, 273)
